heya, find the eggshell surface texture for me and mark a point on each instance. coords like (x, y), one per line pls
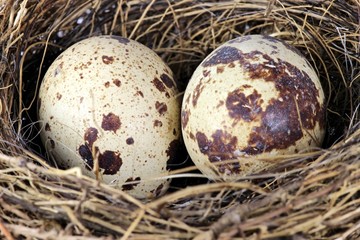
(251, 98)
(111, 102)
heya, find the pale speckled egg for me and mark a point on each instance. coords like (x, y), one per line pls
(252, 97)
(111, 101)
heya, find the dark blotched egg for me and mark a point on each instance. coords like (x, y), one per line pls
(252, 97)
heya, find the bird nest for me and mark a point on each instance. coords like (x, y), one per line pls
(312, 195)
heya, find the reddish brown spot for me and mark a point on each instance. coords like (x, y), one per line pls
(58, 96)
(185, 118)
(111, 122)
(110, 161)
(130, 141)
(157, 123)
(220, 148)
(107, 84)
(244, 107)
(139, 93)
(206, 73)
(221, 103)
(167, 80)
(161, 107)
(192, 137)
(81, 99)
(47, 127)
(223, 55)
(220, 69)
(158, 84)
(231, 65)
(117, 82)
(130, 186)
(107, 59)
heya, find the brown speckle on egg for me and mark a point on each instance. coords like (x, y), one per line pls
(58, 96)
(52, 143)
(184, 117)
(47, 127)
(158, 123)
(110, 122)
(161, 107)
(129, 141)
(139, 93)
(117, 82)
(107, 59)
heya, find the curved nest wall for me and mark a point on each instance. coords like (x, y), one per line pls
(307, 196)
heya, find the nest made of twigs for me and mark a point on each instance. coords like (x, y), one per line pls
(308, 196)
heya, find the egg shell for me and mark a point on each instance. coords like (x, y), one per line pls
(112, 100)
(252, 98)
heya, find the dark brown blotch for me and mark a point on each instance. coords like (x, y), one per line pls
(111, 122)
(90, 136)
(220, 148)
(130, 186)
(86, 154)
(161, 107)
(244, 107)
(110, 161)
(166, 79)
(158, 84)
(279, 129)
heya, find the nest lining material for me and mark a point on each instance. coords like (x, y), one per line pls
(308, 196)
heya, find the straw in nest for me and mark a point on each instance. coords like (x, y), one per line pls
(307, 196)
